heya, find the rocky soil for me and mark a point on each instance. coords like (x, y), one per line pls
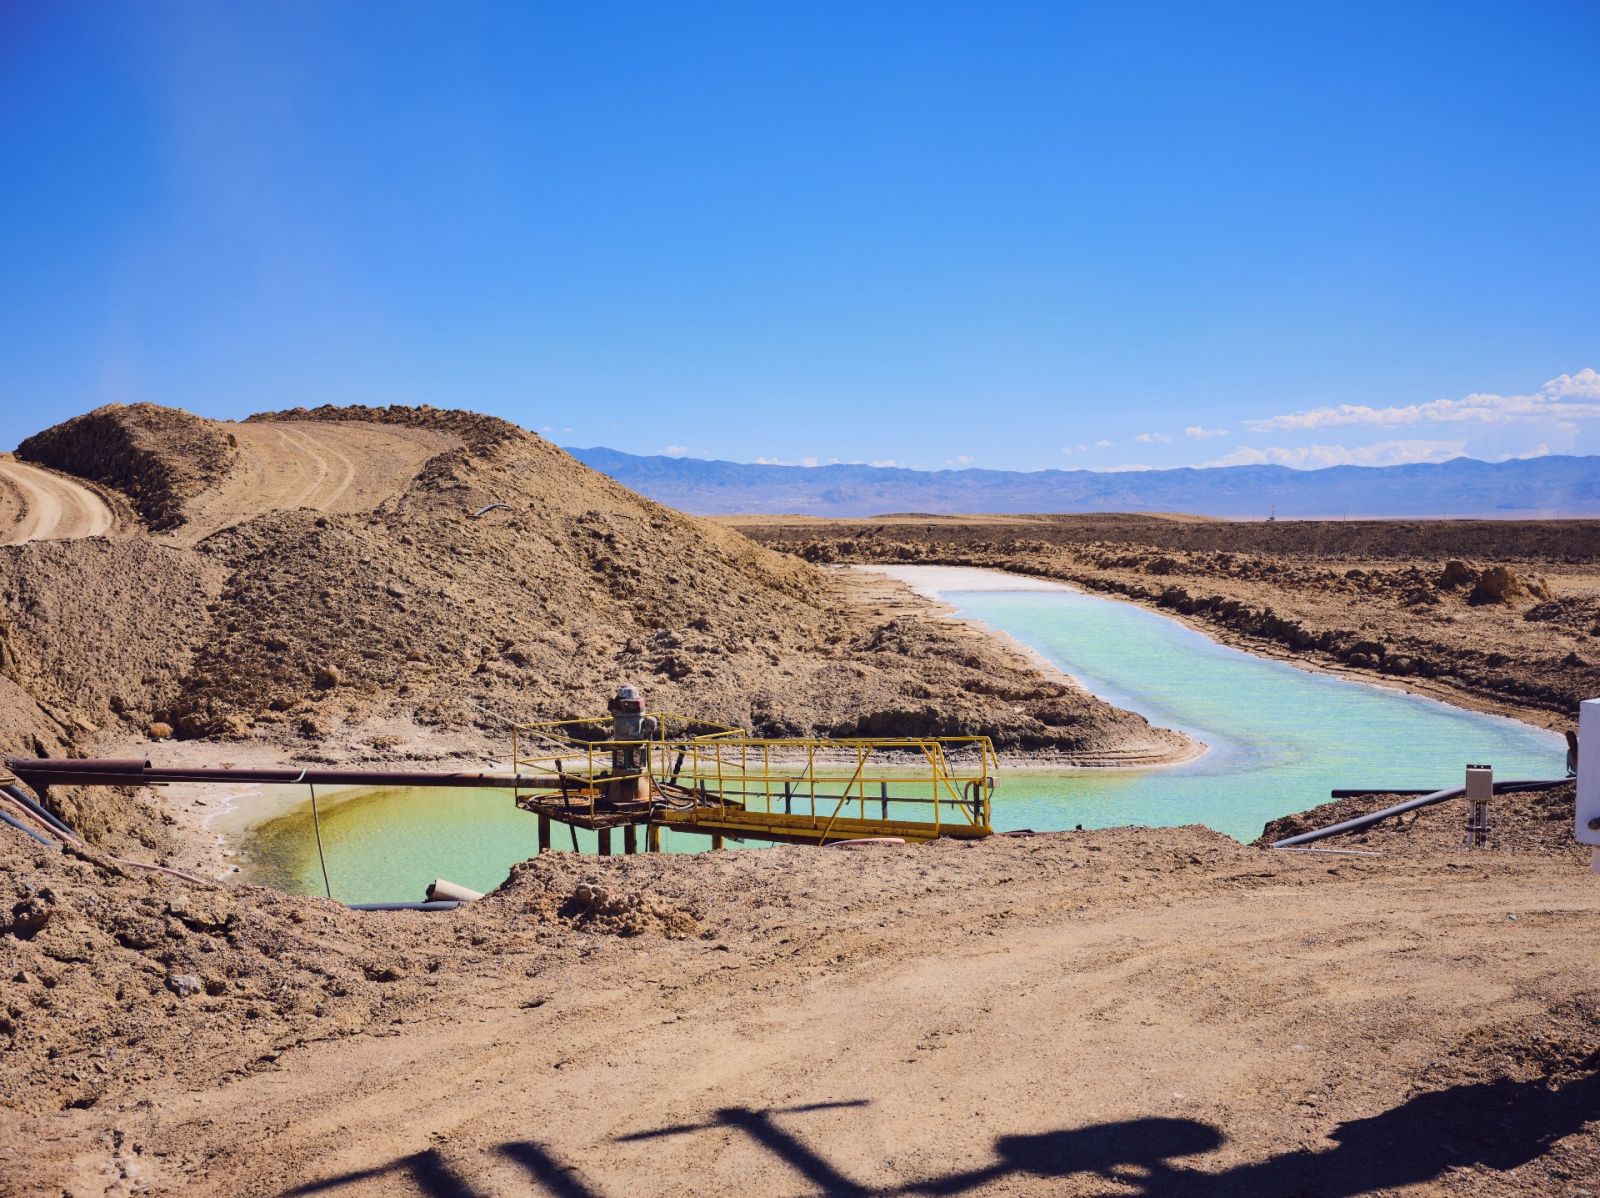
(1115, 1011)
(1503, 616)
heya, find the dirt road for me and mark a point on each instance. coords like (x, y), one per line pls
(1109, 1012)
(40, 505)
(329, 467)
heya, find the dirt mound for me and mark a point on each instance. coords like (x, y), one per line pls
(111, 963)
(94, 636)
(1499, 584)
(1537, 822)
(507, 582)
(158, 457)
(593, 905)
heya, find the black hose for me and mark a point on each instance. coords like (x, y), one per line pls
(16, 792)
(440, 905)
(1366, 792)
(1427, 800)
(27, 831)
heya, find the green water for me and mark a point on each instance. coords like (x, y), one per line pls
(1279, 739)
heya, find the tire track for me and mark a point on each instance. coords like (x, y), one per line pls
(328, 467)
(52, 506)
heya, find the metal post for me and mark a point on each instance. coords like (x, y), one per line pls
(1480, 789)
(716, 840)
(630, 840)
(544, 833)
(788, 794)
(652, 838)
(604, 835)
(883, 798)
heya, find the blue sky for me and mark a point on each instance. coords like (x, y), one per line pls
(1012, 235)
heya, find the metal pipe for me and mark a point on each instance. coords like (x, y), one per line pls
(27, 831)
(42, 812)
(1427, 800)
(93, 772)
(1363, 792)
(439, 906)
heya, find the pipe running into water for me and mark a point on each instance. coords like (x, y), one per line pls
(1427, 800)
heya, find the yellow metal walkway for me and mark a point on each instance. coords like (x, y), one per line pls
(720, 782)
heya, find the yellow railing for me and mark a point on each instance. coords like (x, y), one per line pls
(809, 782)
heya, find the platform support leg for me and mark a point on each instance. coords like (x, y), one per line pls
(630, 840)
(716, 840)
(652, 838)
(544, 833)
(604, 835)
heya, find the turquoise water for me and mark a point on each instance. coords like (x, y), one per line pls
(1280, 738)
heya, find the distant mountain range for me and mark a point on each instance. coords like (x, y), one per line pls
(1532, 487)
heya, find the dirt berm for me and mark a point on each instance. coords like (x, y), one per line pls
(397, 583)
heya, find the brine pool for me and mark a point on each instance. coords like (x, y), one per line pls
(1279, 738)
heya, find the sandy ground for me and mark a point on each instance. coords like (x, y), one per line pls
(1113, 1012)
(348, 467)
(41, 505)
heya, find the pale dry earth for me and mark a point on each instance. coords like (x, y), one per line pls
(42, 505)
(325, 467)
(1112, 1012)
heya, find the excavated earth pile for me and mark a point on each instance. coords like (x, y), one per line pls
(502, 581)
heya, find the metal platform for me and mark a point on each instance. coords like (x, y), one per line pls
(722, 783)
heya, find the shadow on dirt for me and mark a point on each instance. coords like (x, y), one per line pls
(1497, 1125)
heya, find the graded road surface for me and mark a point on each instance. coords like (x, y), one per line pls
(327, 466)
(40, 505)
(1117, 1012)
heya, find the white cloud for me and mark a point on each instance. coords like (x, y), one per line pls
(1204, 434)
(810, 461)
(1104, 444)
(1564, 398)
(1154, 438)
(674, 451)
(889, 462)
(1540, 450)
(769, 462)
(1313, 457)
(1123, 469)
(960, 461)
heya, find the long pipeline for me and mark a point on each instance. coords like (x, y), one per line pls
(43, 771)
(1427, 800)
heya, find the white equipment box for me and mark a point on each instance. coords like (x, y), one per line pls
(1587, 825)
